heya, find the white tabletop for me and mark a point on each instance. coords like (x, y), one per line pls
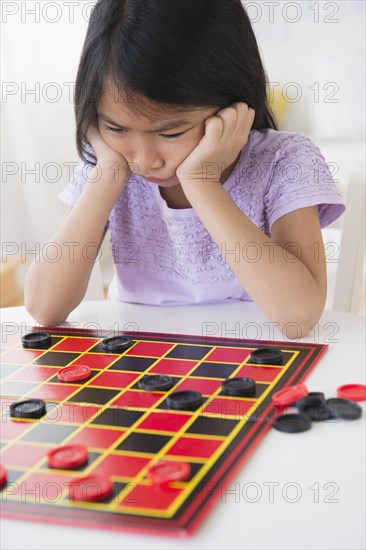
(302, 490)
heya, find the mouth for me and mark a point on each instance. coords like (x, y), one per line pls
(155, 180)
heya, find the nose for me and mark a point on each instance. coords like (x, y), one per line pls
(146, 159)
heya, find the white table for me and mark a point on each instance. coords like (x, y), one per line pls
(297, 491)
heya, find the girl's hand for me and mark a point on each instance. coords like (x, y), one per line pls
(109, 161)
(226, 134)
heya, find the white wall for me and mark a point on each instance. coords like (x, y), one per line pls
(304, 42)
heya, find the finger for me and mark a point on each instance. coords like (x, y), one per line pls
(214, 128)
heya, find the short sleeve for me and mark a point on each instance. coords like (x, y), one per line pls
(301, 178)
(71, 193)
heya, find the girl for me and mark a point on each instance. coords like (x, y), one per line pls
(182, 161)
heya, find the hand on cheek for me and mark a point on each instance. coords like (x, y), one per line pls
(226, 133)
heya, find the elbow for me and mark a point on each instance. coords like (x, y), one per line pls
(297, 326)
(44, 316)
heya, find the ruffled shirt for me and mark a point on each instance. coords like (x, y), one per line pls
(165, 256)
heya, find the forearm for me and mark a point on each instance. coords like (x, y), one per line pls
(277, 281)
(54, 288)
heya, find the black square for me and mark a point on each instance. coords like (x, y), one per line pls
(118, 417)
(56, 358)
(188, 351)
(212, 426)
(7, 370)
(99, 396)
(138, 364)
(16, 388)
(143, 443)
(214, 370)
(13, 475)
(46, 432)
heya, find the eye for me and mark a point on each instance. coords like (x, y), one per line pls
(172, 136)
(117, 130)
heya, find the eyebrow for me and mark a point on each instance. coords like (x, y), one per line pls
(164, 128)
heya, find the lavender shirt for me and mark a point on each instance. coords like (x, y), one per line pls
(165, 256)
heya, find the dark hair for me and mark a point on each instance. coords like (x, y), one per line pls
(184, 54)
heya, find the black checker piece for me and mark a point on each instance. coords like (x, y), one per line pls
(54, 340)
(56, 358)
(212, 426)
(138, 364)
(98, 396)
(214, 370)
(143, 443)
(118, 417)
(259, 389)
(188, 352)
(47, 432)
(175, 381)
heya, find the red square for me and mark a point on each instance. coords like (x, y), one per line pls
(72, 413)
(228, 355)
(21, 356)
(205, 386)
(262, 374)
(40, 487)
(34, 373)
(194, 447)
(97, 361)
(76, 344)
(121, 466)
(12, 429)
(52, 392)
(149, 349)
(137, 399)
(164, 421)
(97, 438)
(173, 366)
(23, 455)
(114, 379)
(146, 496)
(229, 406)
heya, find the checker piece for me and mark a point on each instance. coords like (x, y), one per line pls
(2, 476)
(239, 387)
(164, 471)
(343, 408)
(266, 356)
(292, 423)
(91, 488)
(67, 457)
(116, 344)
(36, 340)
(290, 395)
(315, 407)
(29, 408)
(184, 400)
(354, 392)
(74, 373)
(155, 382)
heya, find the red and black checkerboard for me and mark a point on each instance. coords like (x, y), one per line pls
(127, 430)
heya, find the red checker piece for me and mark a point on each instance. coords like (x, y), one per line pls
(75, 373)
(289, 395)
(2, 476)
(165, 471)
(67, 457)
(91, 488)
(354, 392)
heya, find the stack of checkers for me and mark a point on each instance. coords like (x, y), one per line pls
(313, 407)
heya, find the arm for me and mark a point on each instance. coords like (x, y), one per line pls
(289, 285)
(287, 282)
(53, 289)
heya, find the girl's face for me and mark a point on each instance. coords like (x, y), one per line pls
(156, 146)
